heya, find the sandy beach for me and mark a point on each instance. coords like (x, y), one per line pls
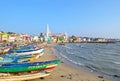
(65, 72)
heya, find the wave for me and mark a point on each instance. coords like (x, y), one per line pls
(67, 47)
(117, 63)
(70, 60)
(66, 58)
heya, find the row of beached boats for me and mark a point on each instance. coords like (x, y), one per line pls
(18, 64)
(21, 55)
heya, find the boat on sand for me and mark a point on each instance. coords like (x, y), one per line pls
(27, 52)
(23, 76)
(26, 71)
(28, 66)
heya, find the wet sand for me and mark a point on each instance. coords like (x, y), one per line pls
(65, 72)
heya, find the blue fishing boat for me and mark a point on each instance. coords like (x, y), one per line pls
(23, 48)
(31, 66)
(12, 59)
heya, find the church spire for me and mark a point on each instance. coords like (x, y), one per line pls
(47, 30)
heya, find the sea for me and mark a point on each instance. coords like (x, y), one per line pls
(101, 58)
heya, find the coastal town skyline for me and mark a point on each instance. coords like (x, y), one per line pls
(80, 18)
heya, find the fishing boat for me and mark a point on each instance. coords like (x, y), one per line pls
(22, 76)
(31, 66)
(7, 60)
(13, 58)
(23, 48)
(26, 58)
(35, 55)
(31, 58)
(26, 52)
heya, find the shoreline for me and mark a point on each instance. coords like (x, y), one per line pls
(65, 72)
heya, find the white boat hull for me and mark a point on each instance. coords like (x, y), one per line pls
(31, 52)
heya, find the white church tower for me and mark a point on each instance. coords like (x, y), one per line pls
(47, 31)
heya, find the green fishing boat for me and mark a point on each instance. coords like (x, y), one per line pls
(22, 67)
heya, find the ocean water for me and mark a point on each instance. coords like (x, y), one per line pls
(101, 58)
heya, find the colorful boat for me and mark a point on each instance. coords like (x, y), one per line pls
(13, 58)
(31, 66)
(25, 48)
(7, 60)
(31, 58)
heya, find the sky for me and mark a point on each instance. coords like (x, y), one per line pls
(85, 18)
